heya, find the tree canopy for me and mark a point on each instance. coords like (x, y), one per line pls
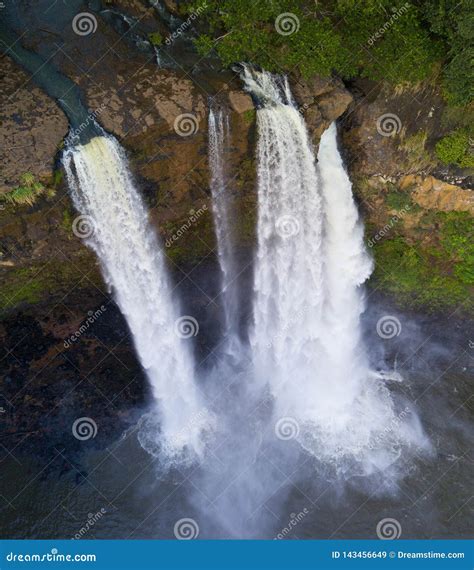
(397, 41)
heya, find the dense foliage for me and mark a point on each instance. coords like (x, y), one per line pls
(436, 276)
(397, 41)
(456, 148)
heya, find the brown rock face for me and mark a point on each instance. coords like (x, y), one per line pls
(321, 101)
(240, 102)
(433, 194)
(154, 99)
(31, 127)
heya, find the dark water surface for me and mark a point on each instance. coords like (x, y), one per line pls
(127, 493)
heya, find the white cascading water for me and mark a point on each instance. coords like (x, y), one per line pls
(219, 139)
(288, 268)
(310, 264)
(133, 265)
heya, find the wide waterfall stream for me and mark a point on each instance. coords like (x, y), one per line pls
(133, 264)
(298, 431)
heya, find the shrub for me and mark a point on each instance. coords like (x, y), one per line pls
(155, 38)
(396, 41)
(417, 157)
(26, 193)
(455, 149)
(419, 277)
(397, 200)
(435, 276)
(457, 239)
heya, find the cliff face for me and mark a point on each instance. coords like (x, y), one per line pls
(160, 116)
(417, 213)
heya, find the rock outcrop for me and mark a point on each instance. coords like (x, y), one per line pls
(433, 194)
(321, 101)
(32, 127)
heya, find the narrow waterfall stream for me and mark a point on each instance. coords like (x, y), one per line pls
(219, 139)
(115, 220)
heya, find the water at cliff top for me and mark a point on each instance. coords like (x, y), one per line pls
(115, 224)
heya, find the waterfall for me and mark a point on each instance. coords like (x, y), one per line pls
(221, 205)
(310, 265)
(115, 224)
(288, 269)
(346, 266)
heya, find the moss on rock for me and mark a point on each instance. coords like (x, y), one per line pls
(40, 281)
(430, 275)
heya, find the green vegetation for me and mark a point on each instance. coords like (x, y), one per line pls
(458, 117)
(453, 21)
(417, 157)
(23, 286)
(178, 234)
(249, 116)
(29, 190)
(397, 200)
(155, 38)
(31, 284)
(455, 148)
(58, 176)
(397, 41)
(27, 193)
(457, 239)
(68, 219)
(434, 277)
